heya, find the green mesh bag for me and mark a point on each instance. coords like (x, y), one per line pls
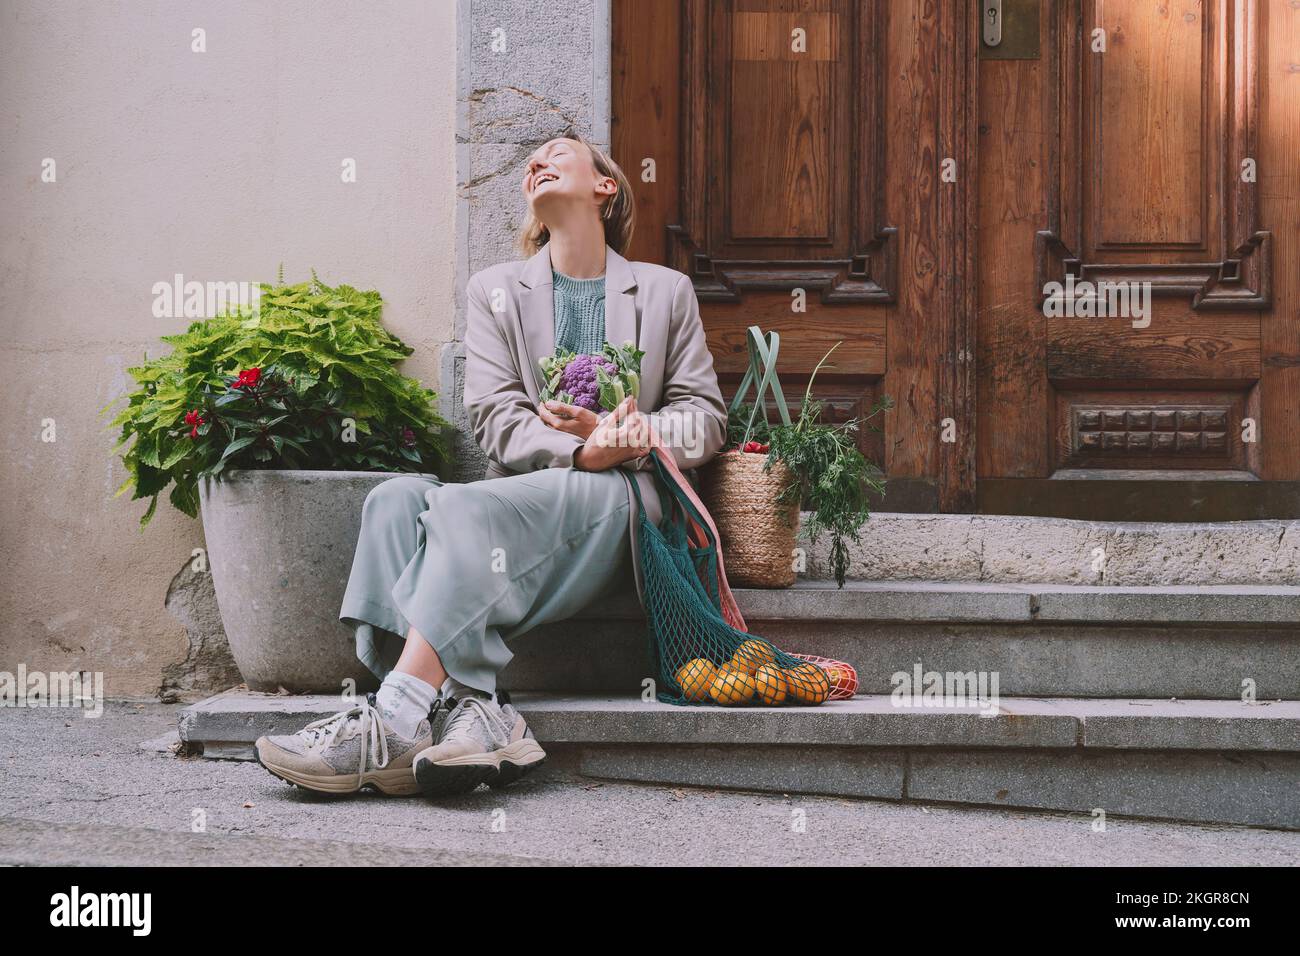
(699, 656)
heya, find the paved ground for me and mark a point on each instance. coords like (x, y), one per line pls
(80, 790)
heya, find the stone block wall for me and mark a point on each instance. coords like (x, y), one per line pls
(526, 72)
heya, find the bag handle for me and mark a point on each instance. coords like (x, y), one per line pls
(761, 374)
(671, 498)
(706, 529)
(678, 499)
(661, 489)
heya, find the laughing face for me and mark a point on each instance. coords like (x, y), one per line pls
(560, 176)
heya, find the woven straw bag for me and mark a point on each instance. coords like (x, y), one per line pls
(757, 530)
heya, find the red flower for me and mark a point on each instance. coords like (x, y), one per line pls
(195, 419)
(248, 377)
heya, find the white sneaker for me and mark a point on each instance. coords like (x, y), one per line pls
(345, 752)
(484, 740)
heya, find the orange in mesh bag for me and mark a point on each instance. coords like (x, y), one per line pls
(701, 646)
(844, 676)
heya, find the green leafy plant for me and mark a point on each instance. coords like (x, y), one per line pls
(307, 381)
(833, 480)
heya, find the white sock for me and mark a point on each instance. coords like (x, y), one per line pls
(404, 700)
(454, 688)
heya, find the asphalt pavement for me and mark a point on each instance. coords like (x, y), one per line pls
(110, 791)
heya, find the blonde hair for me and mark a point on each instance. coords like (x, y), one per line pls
(618, 213)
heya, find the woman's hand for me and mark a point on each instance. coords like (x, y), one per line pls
(572, 419)
(622, 435)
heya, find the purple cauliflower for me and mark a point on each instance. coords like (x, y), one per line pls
(579, 380)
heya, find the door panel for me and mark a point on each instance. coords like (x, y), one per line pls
(814, 165)
(1145, 185)
(1176, 347)
(1179, 429)
(1144, 123)
(1145, 150)
(760, 169)
(1276, 402)
(1014, 398)
(1136, 173)
(768, 178)
(782, 183)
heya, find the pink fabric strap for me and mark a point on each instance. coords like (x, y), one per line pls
(730, 610)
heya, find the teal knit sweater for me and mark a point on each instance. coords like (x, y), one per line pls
(579, 314)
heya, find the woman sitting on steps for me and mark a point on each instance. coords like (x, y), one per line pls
(445, 574)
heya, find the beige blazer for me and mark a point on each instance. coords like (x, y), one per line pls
(511, 327)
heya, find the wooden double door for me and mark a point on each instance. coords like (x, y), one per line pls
(1068, 258)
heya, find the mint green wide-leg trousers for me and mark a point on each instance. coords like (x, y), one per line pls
(471, 566)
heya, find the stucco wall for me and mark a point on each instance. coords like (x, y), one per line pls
(219, 166)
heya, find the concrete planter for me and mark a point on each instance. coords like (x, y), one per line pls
(280, 546)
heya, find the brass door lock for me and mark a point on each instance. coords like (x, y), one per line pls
(1009, 29)
(992, 22)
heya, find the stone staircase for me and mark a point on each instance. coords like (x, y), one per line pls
(1042, 640)
(1153, 700)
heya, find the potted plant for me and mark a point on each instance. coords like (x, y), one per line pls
(754, 489)
(276, 423)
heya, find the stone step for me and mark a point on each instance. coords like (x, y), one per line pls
(1016, 549)
(1042, 640)
(1207, 761)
